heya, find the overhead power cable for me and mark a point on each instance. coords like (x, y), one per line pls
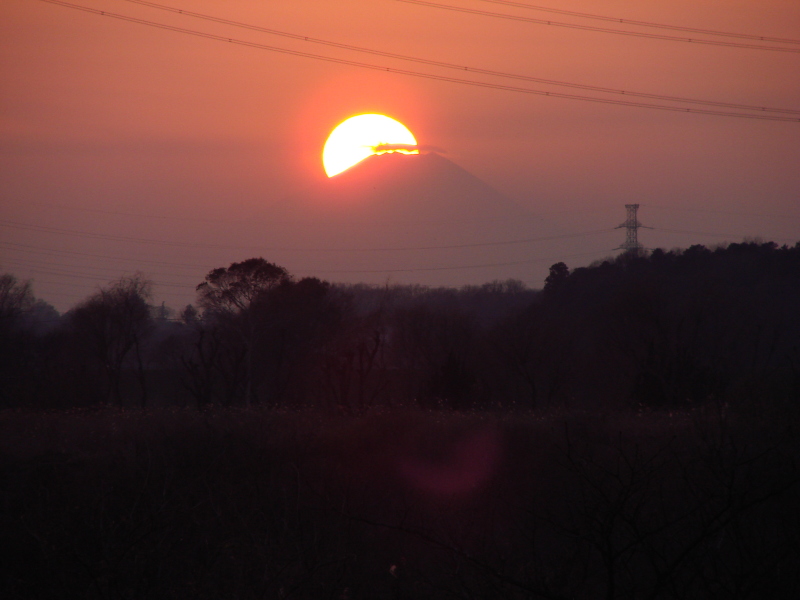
(652, 36)
(83, 286)
(345, 271)
(30, 261)
(100, 236)
(113, 238)
(475, 83)
(722, 235)
(36, 250)
(463, 68)
(101, 211)
(49, 269)
(478, 266)
(574, 13)
(91, 277)
(306, 219)
(723, 212)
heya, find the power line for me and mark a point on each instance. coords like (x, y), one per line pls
(478, 266)
(723, 212)
(446, 65)
(573, 13)
(722, 235)
(519, 241)
(47, 270)
(306, 220)
(83, 286)
(31, 262)
(422, 75)
(135, 215)
(653, 36)
(88, 276)
(36, 250)
(105, 237)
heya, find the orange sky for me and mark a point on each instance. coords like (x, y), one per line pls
(111, 129)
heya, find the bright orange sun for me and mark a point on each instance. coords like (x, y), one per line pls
(361, 136)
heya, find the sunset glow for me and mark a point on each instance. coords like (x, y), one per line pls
(361, 136)
(133, 131)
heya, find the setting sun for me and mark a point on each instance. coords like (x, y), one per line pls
(361, 136)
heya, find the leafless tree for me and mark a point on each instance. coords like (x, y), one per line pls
(15, 298)
(113, 324)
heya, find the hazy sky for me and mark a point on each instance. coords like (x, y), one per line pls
(126, 146)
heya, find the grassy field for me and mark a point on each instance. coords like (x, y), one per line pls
(398, 504)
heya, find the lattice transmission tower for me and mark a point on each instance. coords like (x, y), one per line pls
(632, 226)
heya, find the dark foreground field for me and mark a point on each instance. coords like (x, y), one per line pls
(256, 504)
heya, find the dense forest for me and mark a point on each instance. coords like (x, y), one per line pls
(628, 431)
(671, 329)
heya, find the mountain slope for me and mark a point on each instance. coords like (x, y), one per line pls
(413, 218)
(421, 188)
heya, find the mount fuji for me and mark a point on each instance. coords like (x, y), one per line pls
(414, 218)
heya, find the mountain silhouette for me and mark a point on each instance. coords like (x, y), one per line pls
(419, 218)
(419, 188)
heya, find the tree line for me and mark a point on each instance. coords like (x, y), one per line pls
(668, 329)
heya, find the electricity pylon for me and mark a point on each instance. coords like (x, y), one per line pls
(631, 226)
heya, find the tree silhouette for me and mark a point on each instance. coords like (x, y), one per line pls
(558, 273)
(16, 302)
(235, 288)
(15, 298)
(113, 323)
(229, 295)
